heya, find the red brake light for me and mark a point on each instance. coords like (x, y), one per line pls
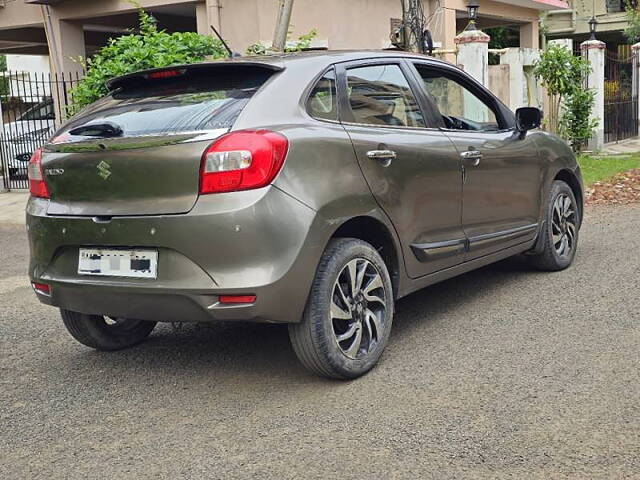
(237, 299)
(37, 186)
(164, 74)
(242, 160)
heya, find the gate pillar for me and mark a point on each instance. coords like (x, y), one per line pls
(595, 51)
(636, 83)
(473, 54)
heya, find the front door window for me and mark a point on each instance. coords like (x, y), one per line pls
(461, 109)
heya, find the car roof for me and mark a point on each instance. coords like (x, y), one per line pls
(328, 56)
(317, 58)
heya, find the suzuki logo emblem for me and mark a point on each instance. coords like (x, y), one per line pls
(104, 169)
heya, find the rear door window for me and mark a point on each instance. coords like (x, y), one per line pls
(206, 102)
(381, 95)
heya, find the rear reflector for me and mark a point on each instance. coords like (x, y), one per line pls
(41, 288)
(242, 160)
(37, 187)
(226, 299)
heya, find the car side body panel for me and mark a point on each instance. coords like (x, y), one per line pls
(502, 197)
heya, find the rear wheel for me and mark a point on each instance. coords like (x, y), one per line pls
(347, 321)
(560, 231)
(106, 333)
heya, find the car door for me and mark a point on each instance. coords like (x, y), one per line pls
(502, 170)
(413, 171)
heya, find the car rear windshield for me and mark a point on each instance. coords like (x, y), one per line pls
(177, 105)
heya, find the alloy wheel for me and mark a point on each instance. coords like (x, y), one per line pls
(564, 225)
(358, 308)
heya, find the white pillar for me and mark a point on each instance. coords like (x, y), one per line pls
(517, 83)
(448, 25)
(207, 14)
(473, 57)
(473, 54)
(521, 62)
(594, 51)
(66, 42)
(636, 77)
(530, 35)
(66, 53)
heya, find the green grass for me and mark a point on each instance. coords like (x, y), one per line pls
(595, 169)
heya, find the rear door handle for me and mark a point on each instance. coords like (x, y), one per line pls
(472, 156)
(385, 157)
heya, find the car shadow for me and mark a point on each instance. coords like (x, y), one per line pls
(436, 303)
(230, 351)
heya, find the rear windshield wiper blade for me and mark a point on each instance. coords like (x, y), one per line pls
(105, 129)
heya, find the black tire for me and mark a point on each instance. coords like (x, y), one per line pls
(102, 333)
(315, 339)
(550, 258)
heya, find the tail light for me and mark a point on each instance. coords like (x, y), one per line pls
(37, 187)
(242, 160)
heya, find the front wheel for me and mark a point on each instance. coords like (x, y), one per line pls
(106, 333)
(348, 317)
(560, 231)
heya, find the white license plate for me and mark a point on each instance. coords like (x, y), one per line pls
(118, 263)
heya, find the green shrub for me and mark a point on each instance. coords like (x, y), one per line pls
(575, 124)
(303, 43)
(150, 48)
(563, 75)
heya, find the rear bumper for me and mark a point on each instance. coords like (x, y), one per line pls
(261, 242)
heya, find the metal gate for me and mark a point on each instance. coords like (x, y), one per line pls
(32, 105)
(620, 95)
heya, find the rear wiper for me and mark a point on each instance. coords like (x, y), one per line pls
(105, 129)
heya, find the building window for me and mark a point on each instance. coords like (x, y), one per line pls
(616, 6)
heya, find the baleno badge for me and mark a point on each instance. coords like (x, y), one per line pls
(54, 171)
(104, 169)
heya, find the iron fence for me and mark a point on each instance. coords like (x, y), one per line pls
(621, 98)
(32, 105)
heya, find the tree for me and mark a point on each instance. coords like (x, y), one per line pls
(632, 32)
(149, 48)
(282, 25)
(563, 74)
(4, 78)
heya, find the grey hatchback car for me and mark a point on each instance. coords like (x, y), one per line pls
(310, 189)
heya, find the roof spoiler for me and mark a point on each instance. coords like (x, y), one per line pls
(176, 71)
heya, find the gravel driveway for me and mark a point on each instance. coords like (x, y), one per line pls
(501, 373)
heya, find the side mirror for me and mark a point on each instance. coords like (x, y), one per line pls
(528, 118)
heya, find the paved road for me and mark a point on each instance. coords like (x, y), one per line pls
(502, 373)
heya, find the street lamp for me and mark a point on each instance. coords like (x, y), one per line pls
(472, 8)
(593, 27)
